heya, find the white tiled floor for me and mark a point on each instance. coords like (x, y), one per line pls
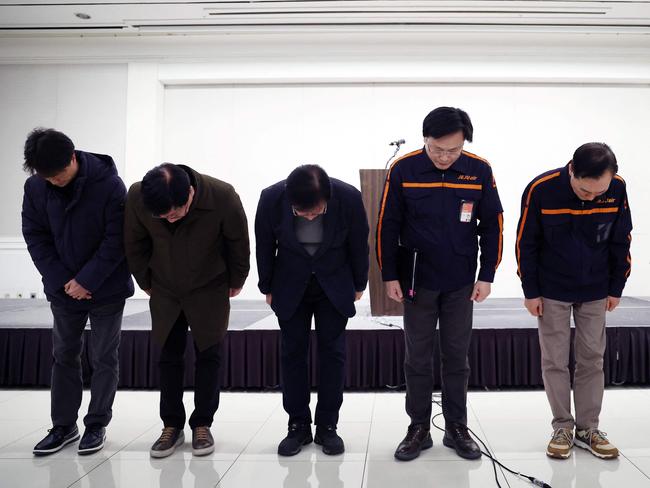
(248, 427)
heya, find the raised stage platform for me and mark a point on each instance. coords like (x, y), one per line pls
(504, 351)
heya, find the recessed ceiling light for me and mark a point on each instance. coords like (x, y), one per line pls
(81, 15)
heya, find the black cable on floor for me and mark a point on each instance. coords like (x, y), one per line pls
(487, 453)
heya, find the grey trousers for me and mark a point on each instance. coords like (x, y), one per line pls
(589, 379)
(454, 312)
(67, 384)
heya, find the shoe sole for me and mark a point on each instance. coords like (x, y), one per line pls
(451, 445)
(427, 444)
(91, 450)
(45, 452)
(329, 452)
(168, 452)
(556, 455)
(309, 440)
(587, 447)
(204, 451)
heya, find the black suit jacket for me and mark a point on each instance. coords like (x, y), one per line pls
(340, 264)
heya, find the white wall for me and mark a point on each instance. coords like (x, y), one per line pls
(87, 102)
(251, 110)
(253, 136)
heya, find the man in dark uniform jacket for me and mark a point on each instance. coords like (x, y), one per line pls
(73, 213)
(573, 255)
(187, 246)
(441, 202)
(312, 259)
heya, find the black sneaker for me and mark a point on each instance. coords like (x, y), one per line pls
(57, 438)
(299, 435)
(167, 443)
(457, 437)
(92, 440)
(328, 438)
(417, 439)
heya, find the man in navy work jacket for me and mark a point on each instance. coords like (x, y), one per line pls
(438, 201)
(73, 214)
(573, 244)
(312, 259)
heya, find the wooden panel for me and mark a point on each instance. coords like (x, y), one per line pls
(372, 187)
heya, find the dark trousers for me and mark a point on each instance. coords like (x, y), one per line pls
(454, 312)
(330, 335)
(67, 383)
(172, 372)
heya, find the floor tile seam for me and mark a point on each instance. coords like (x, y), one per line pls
(2, 446)
(500, 469)
(108, 458)
(221, 478)
(629, 459)
(365, 459)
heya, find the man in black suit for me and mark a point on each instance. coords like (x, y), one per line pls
(312, 259)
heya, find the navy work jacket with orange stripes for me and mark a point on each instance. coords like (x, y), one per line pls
(569, 249)
(441, 213)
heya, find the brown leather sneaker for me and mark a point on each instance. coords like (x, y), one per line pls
(167, 443)
(202, 441)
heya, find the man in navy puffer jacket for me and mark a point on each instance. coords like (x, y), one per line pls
(72, 220)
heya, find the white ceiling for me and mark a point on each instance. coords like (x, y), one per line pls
(177, 16)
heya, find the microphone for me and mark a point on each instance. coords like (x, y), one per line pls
(398, 142)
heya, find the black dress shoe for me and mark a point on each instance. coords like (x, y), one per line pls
(299, 435)
(328, 438)
(92, 440)
(457, 437)
(417, 438)
(57, 438)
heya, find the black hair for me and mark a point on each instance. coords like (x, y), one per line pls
(307, 185)
(165, 187)
(447, 120)
(593, 160)
(47, 152)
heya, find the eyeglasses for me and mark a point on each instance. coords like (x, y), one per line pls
(436, 151)
(309, 213)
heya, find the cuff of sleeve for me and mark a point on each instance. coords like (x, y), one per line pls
(486, 274)
(144, 281)
(236, 283)
(531, 289)
(616, 288)
(85, 281)
(389, 274)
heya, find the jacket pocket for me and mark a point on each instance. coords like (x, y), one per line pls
(423, 203)
(557, 230)
(599, 229)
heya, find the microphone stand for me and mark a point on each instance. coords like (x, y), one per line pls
(397, 146)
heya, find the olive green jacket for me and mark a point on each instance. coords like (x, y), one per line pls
(190, 269)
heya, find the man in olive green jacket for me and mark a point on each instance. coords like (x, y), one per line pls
(186, 240)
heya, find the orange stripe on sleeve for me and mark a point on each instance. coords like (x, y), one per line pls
(383, 203)
(472, 155)
(500, 251)
(525, 215)
(629, 258)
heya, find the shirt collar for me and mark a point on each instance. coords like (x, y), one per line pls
(426, 165)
